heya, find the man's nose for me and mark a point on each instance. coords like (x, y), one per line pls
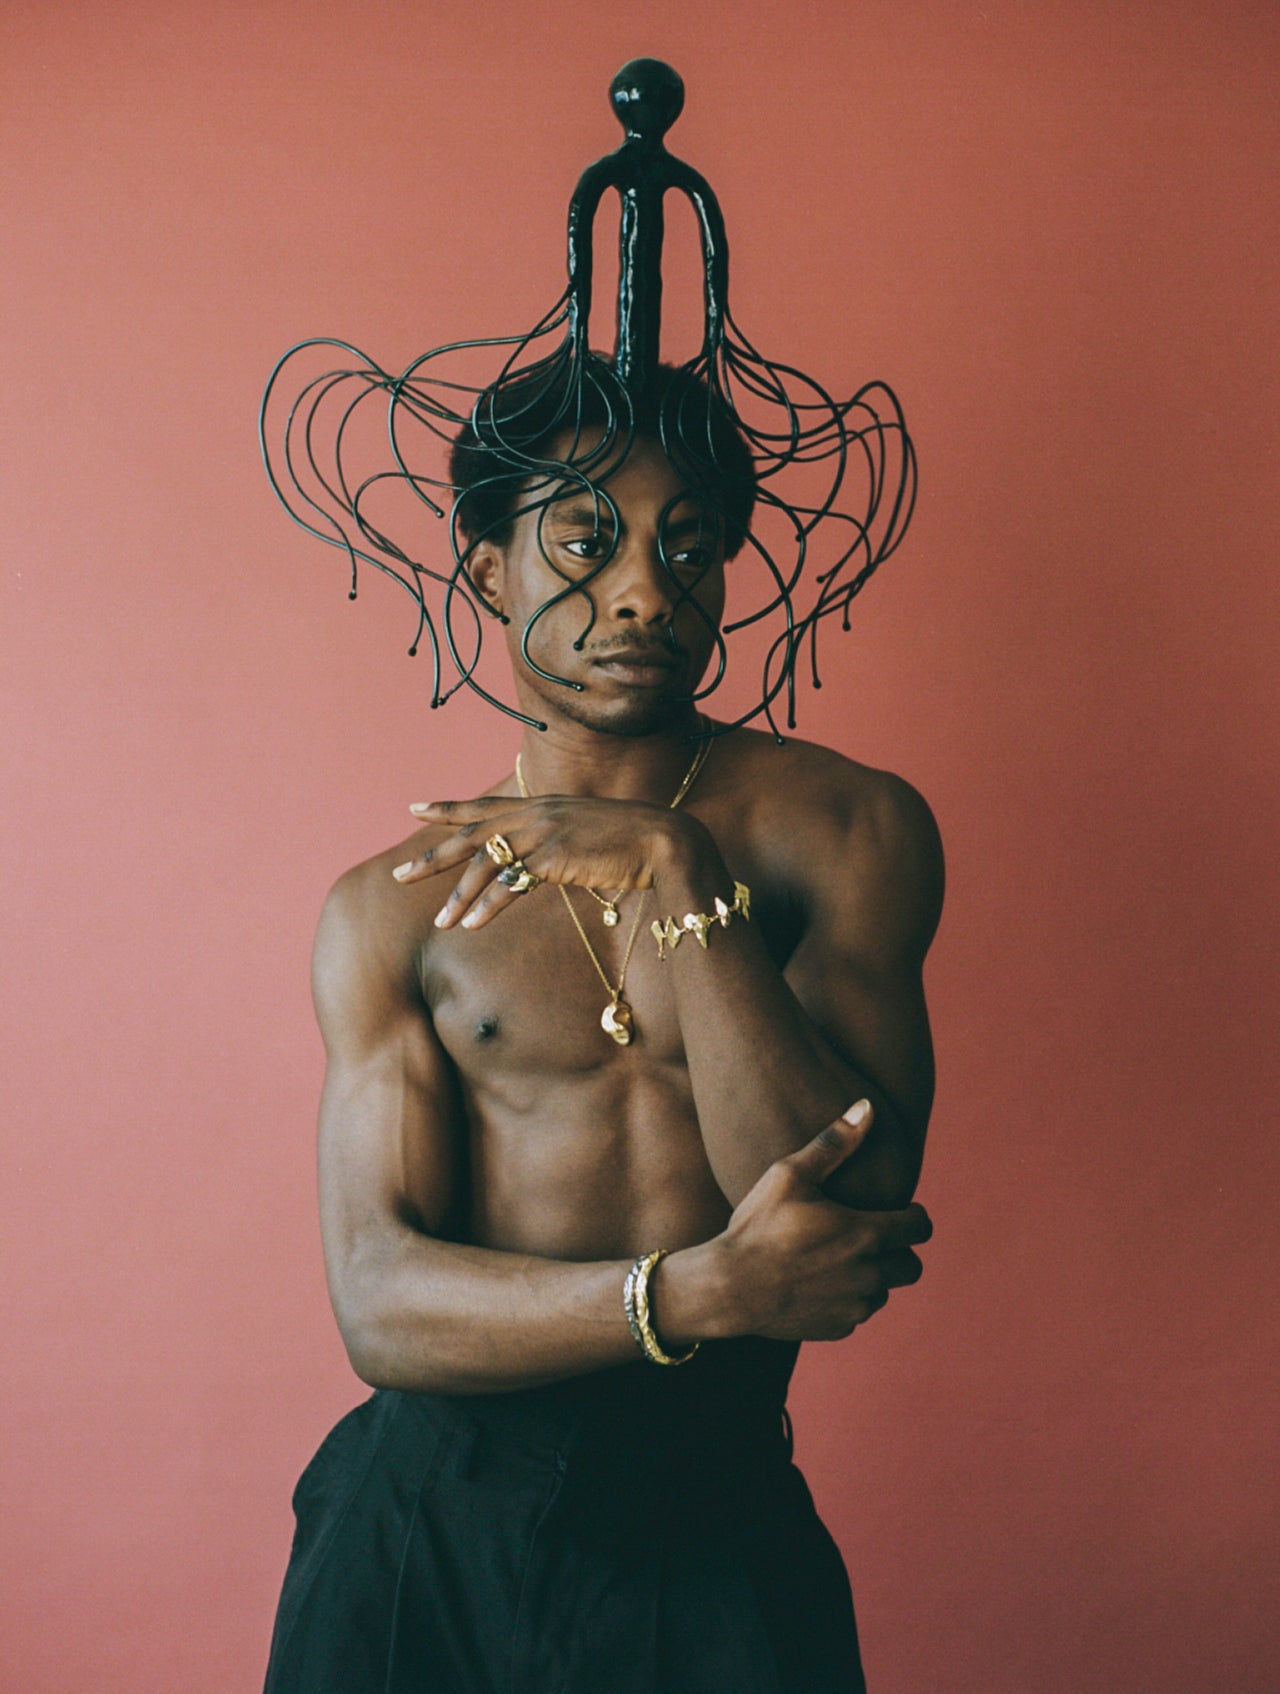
(642, 587)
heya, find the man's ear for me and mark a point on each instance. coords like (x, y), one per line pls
(487, 569)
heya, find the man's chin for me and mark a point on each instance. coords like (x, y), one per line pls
(630, 713)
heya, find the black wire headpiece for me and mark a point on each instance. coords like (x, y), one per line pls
(788, 422)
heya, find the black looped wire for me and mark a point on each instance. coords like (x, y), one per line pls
(854, 456)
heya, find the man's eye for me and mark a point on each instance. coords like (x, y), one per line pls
(588, 547)
(690, 559)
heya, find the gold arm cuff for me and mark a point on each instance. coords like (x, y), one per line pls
(668, 933)
(635, 1297)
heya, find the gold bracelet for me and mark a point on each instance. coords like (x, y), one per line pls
(668, 933)
(635, 1297)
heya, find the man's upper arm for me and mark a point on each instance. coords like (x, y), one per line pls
(390, 1114)
(875, 880)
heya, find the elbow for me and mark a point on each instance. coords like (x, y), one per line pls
(365, 1339)
(372, 1363)
(381, 1356)
(362, 1293)
(885, 1170)
(878, 1178)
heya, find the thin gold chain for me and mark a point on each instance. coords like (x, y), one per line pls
(611, 906)
(699, 759)
(615, 993)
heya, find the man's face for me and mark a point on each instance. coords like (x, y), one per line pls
(658, 600)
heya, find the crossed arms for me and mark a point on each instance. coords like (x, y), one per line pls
(822, 1228)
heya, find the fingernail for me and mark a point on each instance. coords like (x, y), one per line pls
(470, 921)
(857, 1113)
(402, 870)
(442, 917)
(420, 806)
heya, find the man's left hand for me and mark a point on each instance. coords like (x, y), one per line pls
(607, 845)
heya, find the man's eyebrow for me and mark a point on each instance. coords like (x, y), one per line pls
(693, 525)
(589, 517)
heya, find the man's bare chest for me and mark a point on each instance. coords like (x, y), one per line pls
(525, 994)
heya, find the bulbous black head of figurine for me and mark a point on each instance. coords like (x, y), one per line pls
(647, 98)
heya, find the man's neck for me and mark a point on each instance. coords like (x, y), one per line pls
(568, 758)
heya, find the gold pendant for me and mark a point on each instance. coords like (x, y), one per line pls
(610, 913)
(616, 1020)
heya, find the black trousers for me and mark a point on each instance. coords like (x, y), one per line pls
(638, 1531)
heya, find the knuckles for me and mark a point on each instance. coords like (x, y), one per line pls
(862, 1239)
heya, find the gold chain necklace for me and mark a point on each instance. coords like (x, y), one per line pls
(617, 1019)
(610, 913)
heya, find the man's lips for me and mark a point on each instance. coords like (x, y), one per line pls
(637, 664)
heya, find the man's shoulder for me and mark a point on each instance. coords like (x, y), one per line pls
(367, 901)
(804, 786)
(858, 845)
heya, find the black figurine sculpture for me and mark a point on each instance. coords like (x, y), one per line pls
(702, 412)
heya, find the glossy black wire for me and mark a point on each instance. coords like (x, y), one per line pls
(857, 450)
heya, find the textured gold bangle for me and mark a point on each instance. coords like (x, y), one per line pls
(635, 1297)
(668, 932)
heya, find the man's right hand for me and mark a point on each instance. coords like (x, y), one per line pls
(800, 1267)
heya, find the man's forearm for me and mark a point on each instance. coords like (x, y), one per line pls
(430, 1316)
(764, 1079)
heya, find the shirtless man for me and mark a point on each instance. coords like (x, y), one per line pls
(492, 1162)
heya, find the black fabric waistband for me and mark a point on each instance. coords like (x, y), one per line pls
(723, 1411)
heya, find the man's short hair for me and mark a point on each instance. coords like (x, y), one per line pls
(519, 420)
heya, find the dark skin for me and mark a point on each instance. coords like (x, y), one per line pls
(490, 1160)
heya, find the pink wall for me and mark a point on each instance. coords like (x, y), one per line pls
(1052, 226)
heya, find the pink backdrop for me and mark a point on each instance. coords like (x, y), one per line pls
(1052, 227)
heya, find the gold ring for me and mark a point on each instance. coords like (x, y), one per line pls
(518, 877)
(499, 850)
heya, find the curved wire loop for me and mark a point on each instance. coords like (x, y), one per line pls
(819, 554)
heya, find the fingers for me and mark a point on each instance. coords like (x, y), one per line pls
(460, 811)
(476, 880)
(910, 1227)
(457, 848)
(496, 897)
(442, 857)
(874, 1282)
(901, 1269)
(831, 1146)
(480, 892)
